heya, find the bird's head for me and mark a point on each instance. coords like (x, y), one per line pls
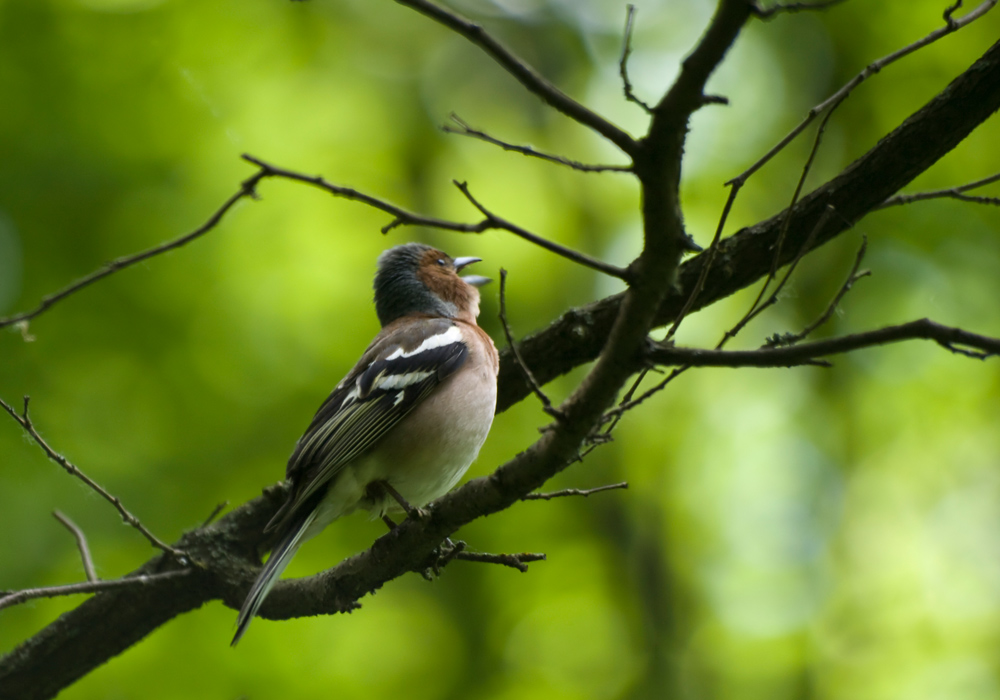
(416, 278)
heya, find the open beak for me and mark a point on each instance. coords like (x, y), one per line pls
(474, 280)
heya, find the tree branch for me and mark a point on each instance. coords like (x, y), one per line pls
(951, 192)
(12, 598)
(523, 73)
(623, 61)
(247, 189)
(834, 100)
(949, 337)
(574, 492)
(498, 222)
(466, 130)
(73, 470)
(224, 551)
(932, 131)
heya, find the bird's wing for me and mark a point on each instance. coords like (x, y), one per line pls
(397, 371)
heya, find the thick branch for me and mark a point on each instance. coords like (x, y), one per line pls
(224, 551)
(578, 335)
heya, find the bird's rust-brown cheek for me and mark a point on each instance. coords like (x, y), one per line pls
(444, 282)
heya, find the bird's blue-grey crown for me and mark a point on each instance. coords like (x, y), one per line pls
(398, 290)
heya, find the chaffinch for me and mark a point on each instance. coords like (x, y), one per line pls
(405, 424)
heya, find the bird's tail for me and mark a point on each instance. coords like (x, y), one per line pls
(276, 563)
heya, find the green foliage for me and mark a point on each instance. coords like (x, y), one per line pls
(786, 533)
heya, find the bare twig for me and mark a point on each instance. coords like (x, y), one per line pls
(18, 597)
(465, 130)
(573, 492)
(955, 340)
(952, 192)
(73, 470)
(832, 102)
(494, 221)
(794, 7)
(713, 250)
(817, 140)
(523, 73)
(81, 543)
(853, 276)
(758, 306)
(514, 561)
(247, 189)
(528, 376)
(402, 216)
(215, 513)
(949, 337)
(623, 62)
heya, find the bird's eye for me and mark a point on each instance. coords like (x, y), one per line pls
(442, 262)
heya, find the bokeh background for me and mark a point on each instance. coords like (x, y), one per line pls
(786, 534)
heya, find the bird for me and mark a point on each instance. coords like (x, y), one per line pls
(406, 422)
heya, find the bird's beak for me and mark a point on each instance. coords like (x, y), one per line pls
(474, 280)
(462, 262)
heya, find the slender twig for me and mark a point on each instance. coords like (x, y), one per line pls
(528, 376)
(247, 189)
(465, 130)
(755, 310)
(832, 102)
(796, 193)
(623, 62)
(402, 217)
(601, 436)
(523, 73)
(759, 306)
(949, 337)
(215, 513)
(952, 339)
(17, 597)
(497, 222)
(81, 544)
(73, 470)
(795, 7)
(853, 276)
(713, 251)
(951, 192)
(514, 561)
(573, 492)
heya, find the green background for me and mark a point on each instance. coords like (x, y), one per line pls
(787, 533)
